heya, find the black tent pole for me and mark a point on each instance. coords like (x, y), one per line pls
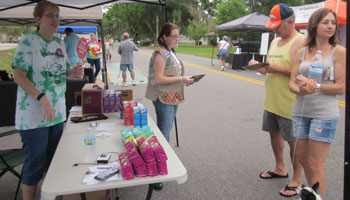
(165, 12)
(347, 114)
(104, 68)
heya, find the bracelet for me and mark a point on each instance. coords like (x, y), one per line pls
(40, 96)
(318, 86)
(181, 78)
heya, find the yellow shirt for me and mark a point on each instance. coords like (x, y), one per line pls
(278, 98)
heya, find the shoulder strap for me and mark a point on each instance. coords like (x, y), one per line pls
(303, 56)
(333, 51)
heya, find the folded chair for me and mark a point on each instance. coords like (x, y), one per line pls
(11, 158)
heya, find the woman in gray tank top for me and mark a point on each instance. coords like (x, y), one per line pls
(315, 111)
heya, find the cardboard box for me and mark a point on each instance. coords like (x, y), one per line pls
(126, 95)
(92, 98)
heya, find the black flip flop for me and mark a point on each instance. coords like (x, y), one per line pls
(290, 188)
(272, 175)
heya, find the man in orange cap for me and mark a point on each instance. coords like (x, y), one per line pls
(277, 118)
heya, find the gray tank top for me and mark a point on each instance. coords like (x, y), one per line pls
(317, 105)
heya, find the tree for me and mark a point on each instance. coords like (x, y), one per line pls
(230, 10)
(143, 21)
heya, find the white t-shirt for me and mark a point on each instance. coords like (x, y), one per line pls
(224, 44)
(46, 63)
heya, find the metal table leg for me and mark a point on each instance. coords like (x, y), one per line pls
(150, 191)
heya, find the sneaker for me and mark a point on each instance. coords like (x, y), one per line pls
(222, 68)
(133, 82)
(124, 84)
(158, 186)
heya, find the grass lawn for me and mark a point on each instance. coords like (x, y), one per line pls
(202, 51)
(6, 57)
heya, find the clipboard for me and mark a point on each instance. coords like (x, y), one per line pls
(256, 66)
(198, 77)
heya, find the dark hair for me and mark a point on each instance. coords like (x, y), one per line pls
(69, 30)
(314, 20)
(43, 6)
(166, 30)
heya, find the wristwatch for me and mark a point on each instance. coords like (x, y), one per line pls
(318, 86)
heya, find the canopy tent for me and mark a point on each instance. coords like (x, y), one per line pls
(252, 22)
(303, 13)
(78, 29)
(72, 12)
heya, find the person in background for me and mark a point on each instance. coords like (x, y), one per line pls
(223, 51)
(93, 55)
(108, 46)
(316, 111)
(166, 80)
(71, 42)
(277, 117)
(40, 68)
(125, 50)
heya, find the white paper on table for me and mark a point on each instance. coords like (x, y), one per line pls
(75, 109)
(103, 135)
(94, 171)
(105, 126)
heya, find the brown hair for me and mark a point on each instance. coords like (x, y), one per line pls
(314, 20)
(166, 30)
(43, 6)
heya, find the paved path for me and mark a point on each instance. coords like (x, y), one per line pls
(221, 142)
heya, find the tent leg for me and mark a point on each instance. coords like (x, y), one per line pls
(104, 68)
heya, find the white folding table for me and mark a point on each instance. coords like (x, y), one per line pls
(63, 178)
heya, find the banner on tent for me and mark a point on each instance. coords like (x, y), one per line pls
(303, 13)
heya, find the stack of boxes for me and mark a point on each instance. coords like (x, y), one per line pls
(134, 114)
(111, 101)
(147, 158)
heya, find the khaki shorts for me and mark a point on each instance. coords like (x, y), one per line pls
(276, 123)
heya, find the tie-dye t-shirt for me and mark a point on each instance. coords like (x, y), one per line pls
(46, 63)
(94, 49)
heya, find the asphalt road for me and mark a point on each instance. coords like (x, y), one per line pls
(221, 142)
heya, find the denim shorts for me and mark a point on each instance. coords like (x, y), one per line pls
(39, 146)
(222, 54)
(315, 129)
(276, 123)
(123, 67)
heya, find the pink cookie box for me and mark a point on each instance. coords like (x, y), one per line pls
(157, 148)
(133, 155)
(141, 171)
(146, 149)
(127, 171)
(162, 167)
(152, 168)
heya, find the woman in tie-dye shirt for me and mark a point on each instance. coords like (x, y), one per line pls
(93, 55)
(40, 68)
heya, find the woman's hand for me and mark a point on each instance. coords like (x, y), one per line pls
(48, 110)
(253, 62)
(307, 86)
(187, 80)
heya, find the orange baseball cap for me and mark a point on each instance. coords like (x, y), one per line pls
(279, 13)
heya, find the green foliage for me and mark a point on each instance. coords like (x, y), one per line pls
(6, 57)
(143, 21)
(202, 51)
(230, 10)
(197, 30)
